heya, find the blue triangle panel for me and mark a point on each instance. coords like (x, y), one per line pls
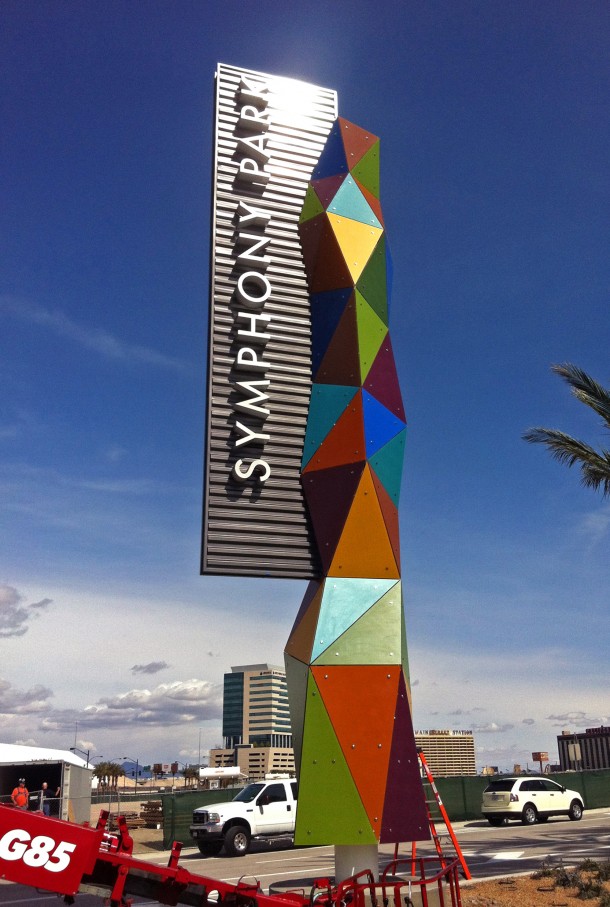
(343, 602)
(380, 425)
(327, 403)
(326, 311)
(332, 160)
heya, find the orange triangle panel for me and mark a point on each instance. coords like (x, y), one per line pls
(366, 741)
(364, 548)
(328, 494)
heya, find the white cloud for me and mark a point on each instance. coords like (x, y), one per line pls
(153, 667)
(16, 616)
(91, 338)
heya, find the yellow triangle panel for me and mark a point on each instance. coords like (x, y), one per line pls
(330, 810)
(364, 548)
(356, 241)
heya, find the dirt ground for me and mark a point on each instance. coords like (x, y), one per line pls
(521, 891)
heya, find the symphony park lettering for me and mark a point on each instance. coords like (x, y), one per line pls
(253, 287)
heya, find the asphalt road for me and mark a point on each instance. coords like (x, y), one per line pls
(489, 852)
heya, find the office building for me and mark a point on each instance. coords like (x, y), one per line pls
(585, 750)
(448, 752)
(256, 722)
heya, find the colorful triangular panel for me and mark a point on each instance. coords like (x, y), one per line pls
(356, 241)
(404, 814)
(366, 744)
(327, 403)
(364, 548)
(343, 602)
(312, 206)
(350, 202)
(380, 425)
(373, 280)
(358, 142)
(332, 160)
(341, 362)
(329, 810)
(302, 635)
(387, 465)
(371, 333)
(326, 312)
(366, 170)
(296, 678)
(382, 380)
(328, 494)
(372, 639)
(344, 443)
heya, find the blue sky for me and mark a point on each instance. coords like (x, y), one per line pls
(494, 126)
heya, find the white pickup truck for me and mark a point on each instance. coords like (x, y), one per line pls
(265, 809)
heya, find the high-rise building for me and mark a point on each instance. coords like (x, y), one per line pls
(585, 750)
(256, 721)
(448, 752)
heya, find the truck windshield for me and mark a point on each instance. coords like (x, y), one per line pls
(249, 793)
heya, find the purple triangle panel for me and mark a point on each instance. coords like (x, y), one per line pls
(329, 494)
(404, 809)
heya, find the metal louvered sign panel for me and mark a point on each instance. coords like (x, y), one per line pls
(269, 135)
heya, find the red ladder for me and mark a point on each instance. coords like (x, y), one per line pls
(433, 799)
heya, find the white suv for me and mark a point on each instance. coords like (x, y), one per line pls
(530, 799)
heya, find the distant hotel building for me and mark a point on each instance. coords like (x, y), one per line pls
(255, 722)
(590, 749)
(448, 752)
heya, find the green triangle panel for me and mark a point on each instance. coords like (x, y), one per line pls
(328, 494)
(343, 602)
(373, 202)
(296, 678)
(375, 638)
(382, 380)
(332, 160)
(341, 363)
(404, 814)
(405, 651)
(327, 188)
(312, 205)
(373, 282)
(350, 202)
(387, 464)
(329, 809)
(371, 334)
(325, 407)
(366, 170)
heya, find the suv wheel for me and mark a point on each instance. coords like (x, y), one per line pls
(529, 815)
(237, 841)
(575, 811)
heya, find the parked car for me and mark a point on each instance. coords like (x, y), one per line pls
(529, 799)
(265, 809)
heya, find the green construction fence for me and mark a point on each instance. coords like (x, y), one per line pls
(461, 797)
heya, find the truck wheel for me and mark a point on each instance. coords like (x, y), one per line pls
(237, 841)
(211, 849)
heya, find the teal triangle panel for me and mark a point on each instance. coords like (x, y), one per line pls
(343, 602)
(327, 403)
(387, 465)
(350, 202)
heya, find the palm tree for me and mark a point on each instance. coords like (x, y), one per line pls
(594, 465)
(108, 773)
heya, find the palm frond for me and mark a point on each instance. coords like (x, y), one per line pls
(594, 466)
(586, 389)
